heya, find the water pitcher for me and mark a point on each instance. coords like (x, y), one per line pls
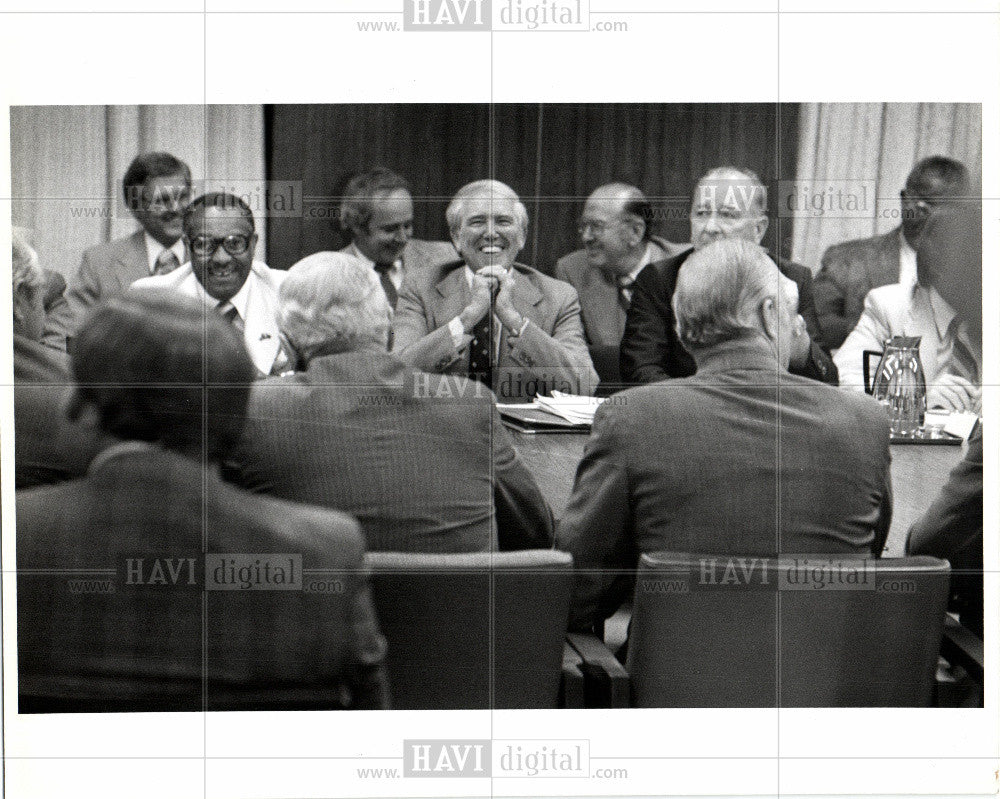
(899, 383)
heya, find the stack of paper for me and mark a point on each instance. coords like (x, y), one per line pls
(572, 408)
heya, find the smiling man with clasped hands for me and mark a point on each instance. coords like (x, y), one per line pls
(531, 343)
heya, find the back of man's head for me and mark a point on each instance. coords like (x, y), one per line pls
(950, 258)
(719, 292)
(938, 177)
(330, 303)
(161, 367)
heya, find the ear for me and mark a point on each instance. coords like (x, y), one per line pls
(760, 227)
(770, 317)
(637, 230)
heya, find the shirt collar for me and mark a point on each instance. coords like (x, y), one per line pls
(117, 450)
(154, 248)
(353, 250)
(648, 257)
(240, 300)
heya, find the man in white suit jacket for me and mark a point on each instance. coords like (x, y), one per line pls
(219, 234)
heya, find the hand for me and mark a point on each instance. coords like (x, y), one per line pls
(954, 393)
(800, 347)
(504, 302)
(479, 305)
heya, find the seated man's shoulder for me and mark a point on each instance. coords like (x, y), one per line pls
(859, 249)
(894, 296)
(572, 267)
(549, 286)
(426, 277)
(170, 280)
(429, 253)
(794, 271)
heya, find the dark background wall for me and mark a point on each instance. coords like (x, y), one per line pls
(552, 155)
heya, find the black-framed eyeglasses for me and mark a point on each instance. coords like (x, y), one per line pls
(205, 246)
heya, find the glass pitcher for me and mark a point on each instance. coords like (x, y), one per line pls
(899, 383)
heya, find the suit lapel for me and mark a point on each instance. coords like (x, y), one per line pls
(260, 327)
(132, 263)
(453, 295)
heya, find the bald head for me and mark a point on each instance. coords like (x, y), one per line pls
(615, 227)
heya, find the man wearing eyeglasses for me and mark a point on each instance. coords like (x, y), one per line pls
(156, 189)
(853, 268)
(219, 233)
(618, 242)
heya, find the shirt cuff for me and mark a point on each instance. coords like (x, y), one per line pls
(457, 331)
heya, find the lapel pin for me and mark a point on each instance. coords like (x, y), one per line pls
(265, 336)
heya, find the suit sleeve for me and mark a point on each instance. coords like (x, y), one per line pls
(955, 518)
(413, 340)
(644, 348)
(830, 297)
(869, 334)
(596, 529)
(524, 519)
(820, 365)
(561, 359)
(58, 316)
(82, 294)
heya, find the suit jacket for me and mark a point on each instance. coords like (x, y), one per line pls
(847, 273)
(106, 271)
(418, 254)
(141, 520)
(420, 460)
(652, 351)
(690, 465)
(952, 528)
(47, 448)
(895, 310)
(260, 333)
(550, 354)
(603, 314)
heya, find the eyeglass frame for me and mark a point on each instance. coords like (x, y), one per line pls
(216, 241)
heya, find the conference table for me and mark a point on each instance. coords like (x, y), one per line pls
(918, 473)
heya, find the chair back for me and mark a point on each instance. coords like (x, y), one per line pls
(796, 631)
(470, 631)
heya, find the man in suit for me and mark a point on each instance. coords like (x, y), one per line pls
(500, 322)
(421, 460)
(727, 203)
(851, 269)
(952, 528)
(46, 448)
(616, 231)
(377, 209)
(156, 188)
(743, 458)
(223, 275)
(166, 387)
(943, 307)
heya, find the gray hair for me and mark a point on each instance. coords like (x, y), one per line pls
(490, 189)
(332, 302)
(759, 194)
(719, 289)
(27, 279)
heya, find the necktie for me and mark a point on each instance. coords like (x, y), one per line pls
(166, 262)
(963, 359)
(387, 285)
(480, 351)
(625, 293)
(231, 315)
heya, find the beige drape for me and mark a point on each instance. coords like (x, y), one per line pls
(867, 149)
(67, 163)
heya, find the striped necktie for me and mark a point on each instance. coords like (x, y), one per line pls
(231, 315)
(166, 262)
(387, 285)
(963, 359)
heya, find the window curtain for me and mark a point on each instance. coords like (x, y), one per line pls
(67, 164)
(865, 151)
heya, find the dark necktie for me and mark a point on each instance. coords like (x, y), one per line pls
(481, 351)
(625, 293)
(962, 356)
(387, 285)
(166, 262)
(231, 315)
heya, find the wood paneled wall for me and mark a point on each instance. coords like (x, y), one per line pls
(553, 155)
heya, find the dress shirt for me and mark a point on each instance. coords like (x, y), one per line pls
(154, 249)
(395, 272)
(625, 282)
(907, 261)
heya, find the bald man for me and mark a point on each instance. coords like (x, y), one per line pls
(617, 244)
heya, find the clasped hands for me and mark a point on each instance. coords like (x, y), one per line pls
(492, 286)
